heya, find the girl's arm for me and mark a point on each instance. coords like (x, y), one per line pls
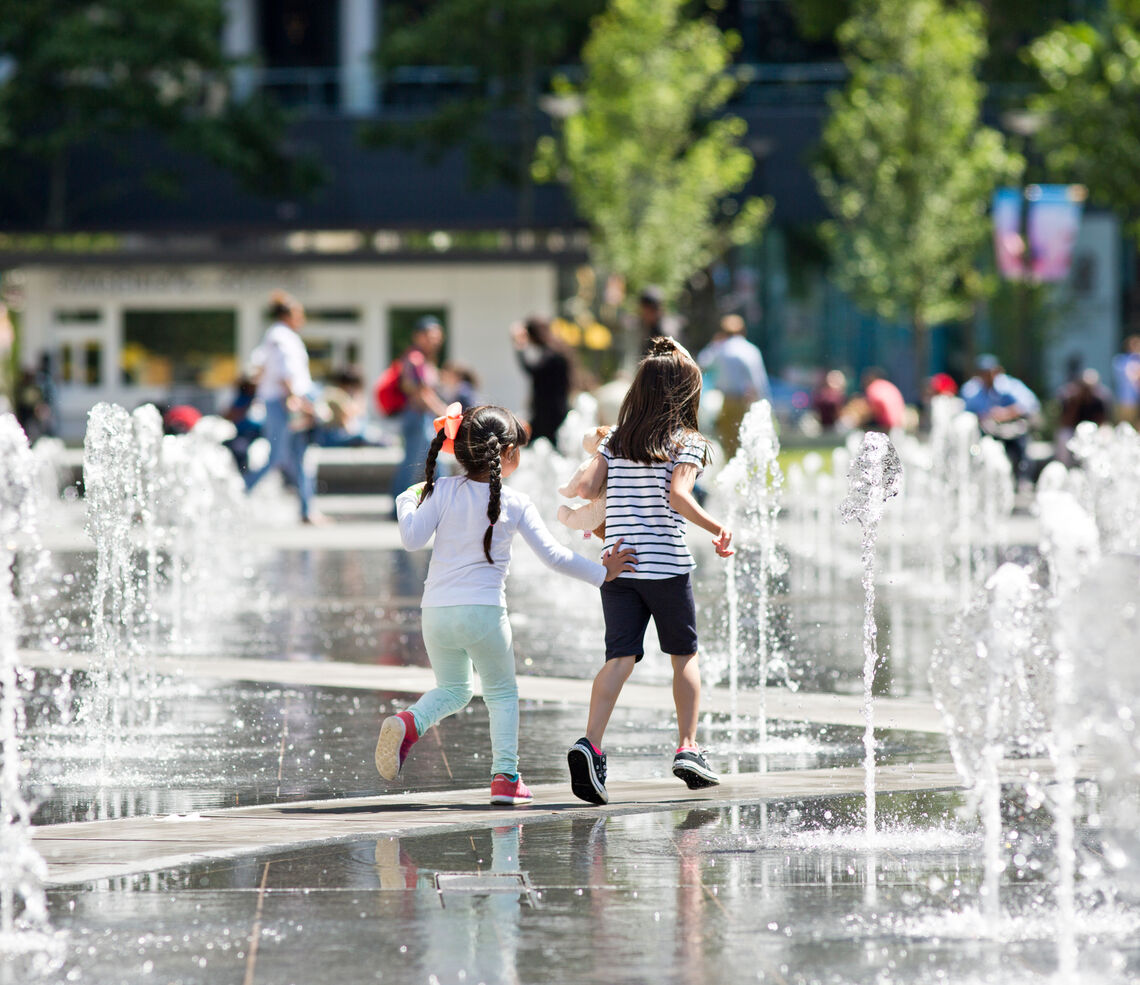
(417, 523)
(682, 500)
(562, 559)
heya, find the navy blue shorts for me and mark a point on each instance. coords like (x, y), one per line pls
(629, 603)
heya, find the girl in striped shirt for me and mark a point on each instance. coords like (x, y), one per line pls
(648, 466)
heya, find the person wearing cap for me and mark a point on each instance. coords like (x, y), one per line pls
(419, 380)
(738, 370)
(1004, 406)
(180, 419)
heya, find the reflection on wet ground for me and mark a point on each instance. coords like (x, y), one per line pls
(781, 892)
(776, 893)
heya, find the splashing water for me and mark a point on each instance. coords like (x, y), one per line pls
(1099, 626)
(1110, 460)
(991, 677)
(753, 481)
(24, 925)
(110, 478)
(875, 476)
(146, 422)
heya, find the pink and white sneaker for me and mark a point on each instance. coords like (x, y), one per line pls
(507, 791)
(397, 735)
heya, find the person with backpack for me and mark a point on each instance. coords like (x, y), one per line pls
(417, 377)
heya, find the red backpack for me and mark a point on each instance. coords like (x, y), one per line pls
(390, 395)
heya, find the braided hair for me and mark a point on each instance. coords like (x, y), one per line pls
(484, 432)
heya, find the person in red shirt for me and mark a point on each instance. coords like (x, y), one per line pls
(879, 408)
(888, 409)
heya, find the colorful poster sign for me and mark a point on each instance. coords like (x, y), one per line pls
(1044, 253)
(1052, 225)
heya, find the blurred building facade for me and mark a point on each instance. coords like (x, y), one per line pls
(145, 294)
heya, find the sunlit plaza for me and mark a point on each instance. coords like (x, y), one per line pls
(919, 675)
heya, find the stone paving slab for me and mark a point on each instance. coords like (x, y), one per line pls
(910, 714)
(87, 851)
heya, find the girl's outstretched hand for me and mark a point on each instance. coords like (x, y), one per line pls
(721, 542)
(618, 560)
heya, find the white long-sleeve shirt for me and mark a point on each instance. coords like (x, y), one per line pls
(456, 512)
(284, 360)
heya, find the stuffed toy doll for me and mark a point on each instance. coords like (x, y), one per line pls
(592, 516)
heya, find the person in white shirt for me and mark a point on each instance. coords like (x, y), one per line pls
(474, 518)
(738, 373)
(284, 386)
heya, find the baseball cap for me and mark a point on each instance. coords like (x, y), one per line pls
(181, 418)
(652, 295)
(987, 362)
(426, 322)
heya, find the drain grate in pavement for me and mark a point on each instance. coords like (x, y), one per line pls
(482, 883)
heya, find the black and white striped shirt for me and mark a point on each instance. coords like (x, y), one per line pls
(638, 510)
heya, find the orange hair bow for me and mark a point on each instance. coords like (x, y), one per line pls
(449, 425)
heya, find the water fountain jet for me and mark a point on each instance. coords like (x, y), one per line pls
(875, 476)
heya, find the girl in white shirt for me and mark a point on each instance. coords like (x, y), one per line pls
(474, 518)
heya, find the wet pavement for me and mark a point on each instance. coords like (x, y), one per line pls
(784, 892)
(768, 879)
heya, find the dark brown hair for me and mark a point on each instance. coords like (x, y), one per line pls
(483, 434)
(660, 409)
(282, 305)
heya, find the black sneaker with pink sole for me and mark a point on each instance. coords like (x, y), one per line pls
(691, 766)
(587, 772)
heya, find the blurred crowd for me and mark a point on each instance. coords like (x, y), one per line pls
(277, 399)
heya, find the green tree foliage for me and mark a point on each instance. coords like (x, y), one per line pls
(1090, 109)
(503, 53)
(908, 171)
(820, 19)
(100, 71)
(1010, 24)
(653, 164)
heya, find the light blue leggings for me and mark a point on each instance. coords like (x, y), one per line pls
(457, 636)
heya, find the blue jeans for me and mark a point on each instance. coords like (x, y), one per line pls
(286, 452)
(457, 637)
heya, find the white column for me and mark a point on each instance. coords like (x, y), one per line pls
(112, 338)
(358, 36)
(249, 330)
(239, 40)
(373, 342)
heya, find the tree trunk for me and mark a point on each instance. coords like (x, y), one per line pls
(921, 355)
(57, 191)
(701, 313)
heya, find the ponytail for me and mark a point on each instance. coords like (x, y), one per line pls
(495, 479)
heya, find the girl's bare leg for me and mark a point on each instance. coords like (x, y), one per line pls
(687, 698)
(604, 695)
